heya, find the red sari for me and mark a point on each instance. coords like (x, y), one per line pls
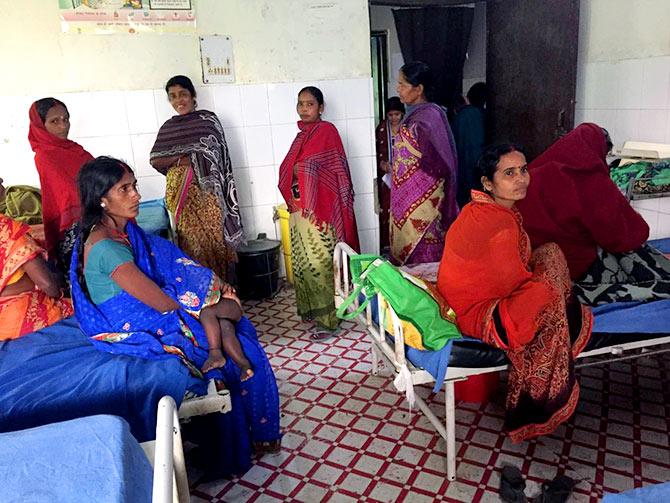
(58, 162)
(28, 311)
(516, 300)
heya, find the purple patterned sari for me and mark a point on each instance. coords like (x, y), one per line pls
(423, 192)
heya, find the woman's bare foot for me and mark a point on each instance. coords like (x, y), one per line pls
(215, 360)
(247, 373)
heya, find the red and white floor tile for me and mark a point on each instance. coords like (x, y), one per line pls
(348, 435)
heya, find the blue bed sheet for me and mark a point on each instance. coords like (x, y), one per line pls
(153, 217)
(55, 374)
(656, 493)
(83, 460)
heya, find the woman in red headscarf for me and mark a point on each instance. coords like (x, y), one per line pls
(574, 203)
(58, 161)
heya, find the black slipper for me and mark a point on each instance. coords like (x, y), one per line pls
(556, 491)
(512, 485)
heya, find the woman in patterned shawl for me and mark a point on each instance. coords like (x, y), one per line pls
(515, 299)
(423, 190)
(191, 150)
(316, 184)
(29, 294)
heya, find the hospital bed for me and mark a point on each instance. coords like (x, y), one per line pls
(621, 331)
(95, 458)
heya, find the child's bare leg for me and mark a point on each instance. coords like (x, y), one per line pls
(210, 324)
(228, 309)
(234, 350)
(228, 292)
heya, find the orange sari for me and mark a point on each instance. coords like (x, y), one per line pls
(28, 311)
(517, 300)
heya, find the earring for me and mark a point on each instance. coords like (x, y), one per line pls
(103, 205)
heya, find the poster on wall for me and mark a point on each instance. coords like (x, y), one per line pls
(103, 17)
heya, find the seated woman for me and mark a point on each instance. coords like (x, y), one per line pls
(58, 161)
(515, 299)
(30, 298)
(139, 295)
(574, 203)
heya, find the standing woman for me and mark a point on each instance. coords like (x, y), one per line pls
(58, 161)
(191, 150)
(385, 135)
(425, 167)
(316, 184)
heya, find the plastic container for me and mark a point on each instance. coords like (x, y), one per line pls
(478, 388)
(258, 268)
(282, 214)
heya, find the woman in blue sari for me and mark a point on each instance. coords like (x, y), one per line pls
(139, 295)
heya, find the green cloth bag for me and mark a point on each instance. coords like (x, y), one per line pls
(23, 203)
(411, 303)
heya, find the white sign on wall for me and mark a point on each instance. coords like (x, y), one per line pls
(216, 53)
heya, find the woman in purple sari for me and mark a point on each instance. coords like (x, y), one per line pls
(425, 166)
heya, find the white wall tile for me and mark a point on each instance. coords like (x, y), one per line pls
(663, 225)
(151, 187)
(652, 125)
(263, 180)
(627, 125)
(341, 126)
(258, 140)
(263, 221)
(97, 114)
(248, 222)
(113, 146)
(580, 115)
(365, 212)
(205, 98)
(362, 173)
(17, 165)
(243, 185)
(651, 217)
(656, 82)
(282, 102)
(360, 137)
(600, 85)
(237, 148)
(141, 111)
(15, 122)
(646, 204)
(255, 106)
(667, 130)
(664, 206)
(141, 145)
(228, 105)
(358, 101)
(369, 241)
(629, 84)
(282, 138)
(164, 110)
(335, 98)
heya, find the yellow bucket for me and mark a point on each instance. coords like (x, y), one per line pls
(282, 214)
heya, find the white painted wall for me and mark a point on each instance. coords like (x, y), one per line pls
(623, 79)
(113, 86)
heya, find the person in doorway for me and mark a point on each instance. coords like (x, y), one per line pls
(515, 299)
(424, 171)
(58, 161)
(574, 203)
(191, 151)
(469, 134)
(30, 298)
(315, 182)
(385, 136)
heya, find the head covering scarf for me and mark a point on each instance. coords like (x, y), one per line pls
(199, 135)
(324, 181)
(58, 162)
(571, 201)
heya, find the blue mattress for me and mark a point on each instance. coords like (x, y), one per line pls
(83, 460)
(656, 493)
(55, 374)
(153, 217)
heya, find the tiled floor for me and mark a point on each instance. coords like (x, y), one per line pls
(348, 435)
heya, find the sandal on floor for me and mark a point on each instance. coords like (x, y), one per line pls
(512, 485)
(268, 447)
(319, 335)
(556, 491)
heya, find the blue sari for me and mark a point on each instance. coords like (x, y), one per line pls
(124, 325)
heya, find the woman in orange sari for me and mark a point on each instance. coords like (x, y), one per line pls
(515, 299)
(29, 294)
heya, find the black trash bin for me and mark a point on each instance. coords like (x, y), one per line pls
(258, 268)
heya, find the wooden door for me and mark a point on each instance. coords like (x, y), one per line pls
(531, 68)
